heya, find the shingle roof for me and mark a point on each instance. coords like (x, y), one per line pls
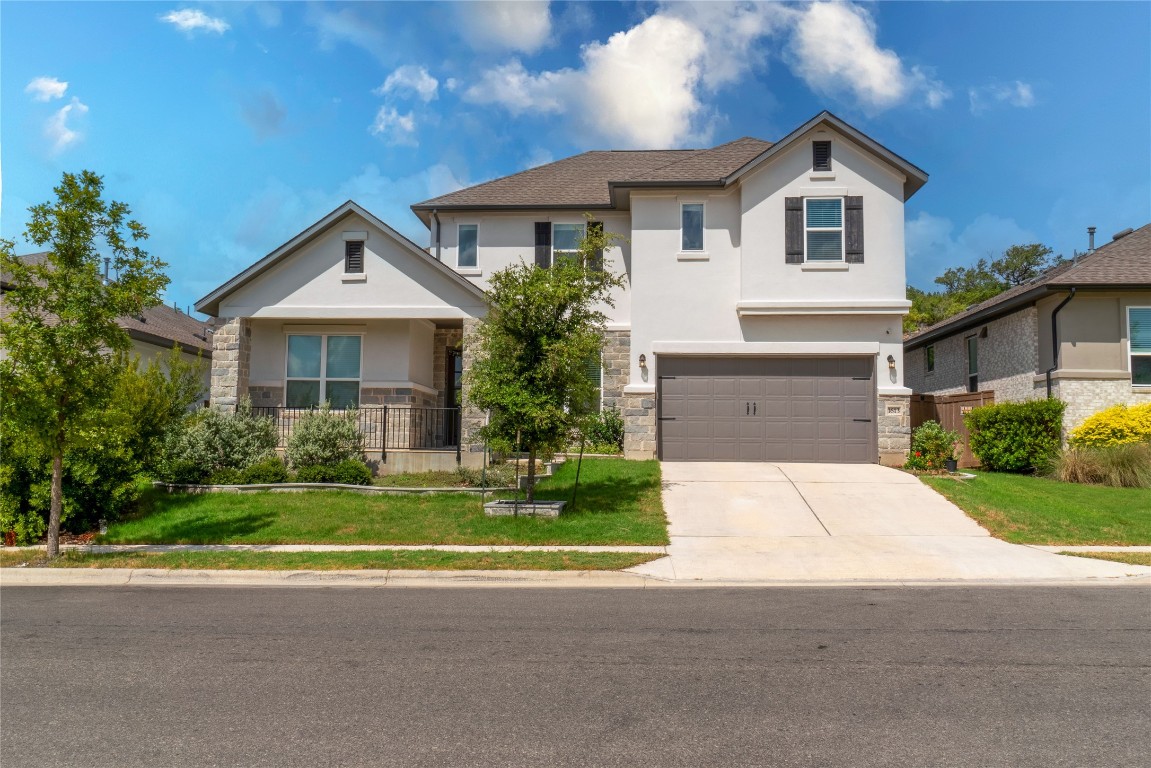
(161, 324)
(1125, 262)
(584, 180)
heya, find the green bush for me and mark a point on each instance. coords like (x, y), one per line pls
(931, 446)
(605, 430)
(324, 437)
(350, 472)
(1125, 465)
(226, 476)
(270, 470)
(185, 472)
(215, 441)
(1114, 426)
(1016, 437)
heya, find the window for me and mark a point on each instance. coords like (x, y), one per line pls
(353, 257)
(1139, 341)
(929, 358)
(468, 245)
(824, 228)
(691, 227)
(323, 369)
(972, 363)
(565, 240)
(821, 155)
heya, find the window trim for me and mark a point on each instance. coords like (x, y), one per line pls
(972, 377)
(841, 229)
(459, 247)
(323, 378)
(1131, 355)
(580, 225)
(929, 359)
(702, 227)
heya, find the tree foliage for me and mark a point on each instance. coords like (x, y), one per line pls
(966, 286)
(61, 331)
(533, 348)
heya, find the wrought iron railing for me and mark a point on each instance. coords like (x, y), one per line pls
(389, 427)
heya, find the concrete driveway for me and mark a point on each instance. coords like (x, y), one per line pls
(837, 522)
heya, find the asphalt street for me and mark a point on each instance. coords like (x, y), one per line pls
(955, 676)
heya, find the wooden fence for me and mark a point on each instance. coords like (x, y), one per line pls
(948, 410)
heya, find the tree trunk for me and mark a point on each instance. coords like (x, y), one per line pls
(531, 494)
(57, 504)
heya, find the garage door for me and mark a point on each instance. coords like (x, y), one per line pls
(767, 409)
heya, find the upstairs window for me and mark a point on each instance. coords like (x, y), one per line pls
(821, 155)
(353, 257)
(565, 241)
(929, 358)
(468, 255)
(1139, 341)
(323, 369)
(823, 219)
(691, 227)
(972, 363)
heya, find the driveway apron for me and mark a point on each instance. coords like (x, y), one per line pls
(834, 523)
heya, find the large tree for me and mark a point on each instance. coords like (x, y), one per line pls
(61, 334)
(543, 327)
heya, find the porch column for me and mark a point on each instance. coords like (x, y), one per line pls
(472, 419)
(231, 358)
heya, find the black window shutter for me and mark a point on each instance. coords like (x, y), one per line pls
(821, 155)
(793, 229)
(353, 257)
(543, 244)
(596, 262)
(853, 226)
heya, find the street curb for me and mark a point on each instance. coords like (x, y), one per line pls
(143, 577)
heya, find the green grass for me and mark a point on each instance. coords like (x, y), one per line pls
(1025, 509)
(1131, 558)
(341, 561)
(618, 503)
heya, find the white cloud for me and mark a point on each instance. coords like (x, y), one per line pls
(834, 50)
(1013, 94)
(192, 20)
(410, 79)
(57, 129)
(537, 157)
(394, 127)
(505, 25)
(932, 247)
(733, 32)
(46, 88)
(347, 26)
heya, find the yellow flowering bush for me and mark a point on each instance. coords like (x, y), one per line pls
(1117, 425)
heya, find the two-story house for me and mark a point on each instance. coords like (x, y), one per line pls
(760, 318)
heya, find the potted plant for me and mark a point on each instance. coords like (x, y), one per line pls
(933, 448)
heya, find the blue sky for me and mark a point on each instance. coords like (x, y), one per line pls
(230, 127)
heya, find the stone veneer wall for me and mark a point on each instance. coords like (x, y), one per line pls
(894, 429)
(231, 362)
(639, 426)
(266, 396)
(1087, 396)
(445, 339)
(616, 367)
(377, 396)
(472, 419)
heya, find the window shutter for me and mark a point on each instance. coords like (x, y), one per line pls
(853, 226)
(543, 244)
(596, 262)
(793, 229)
(353, 257)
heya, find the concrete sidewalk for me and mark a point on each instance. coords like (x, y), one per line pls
(820, 523)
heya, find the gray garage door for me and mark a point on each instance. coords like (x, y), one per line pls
(767, 409)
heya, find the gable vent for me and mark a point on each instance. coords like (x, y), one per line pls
(821, 155)
(353, 256)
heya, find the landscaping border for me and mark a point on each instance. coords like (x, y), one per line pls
(367, 490)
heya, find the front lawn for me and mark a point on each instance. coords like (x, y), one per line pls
(618, 503)
(1024, 509)
(1131, 558)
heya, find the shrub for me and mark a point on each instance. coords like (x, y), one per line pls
(1115, 426)
(495, 476)
(350, 472)
(605, 430)
(214, 441)
(270, 470)
(1016, 437)
(324, 437)
(1126, 465)
(226, 476)
(185, 472)
(931, 446)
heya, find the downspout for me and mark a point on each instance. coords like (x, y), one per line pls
(436, 216)
(1055, 339)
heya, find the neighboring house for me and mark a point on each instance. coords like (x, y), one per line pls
(760, 318)
(1080, 332)
(155, 331)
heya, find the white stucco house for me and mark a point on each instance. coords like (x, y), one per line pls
(760, 318)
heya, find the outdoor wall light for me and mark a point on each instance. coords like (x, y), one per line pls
(891, 362)
(643, 361)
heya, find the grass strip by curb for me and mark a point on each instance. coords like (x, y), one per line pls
(339, 561)
(1131, 558)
